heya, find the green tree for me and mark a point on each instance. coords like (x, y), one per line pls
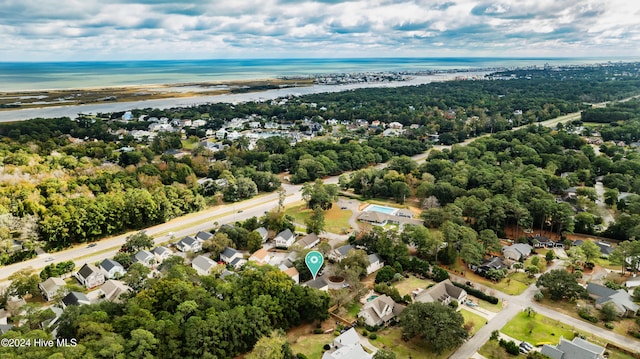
(315, 223)
(274, 346)
(384, 354)
(136, 276)
(217, 244)
(137, 242)
(254, 241)
(142, 344)
(357, 261)
(439, 326)
(490, 240)
(561, 285)
(591, 251)
(608, 312)
(385, 274)
(549, 256)
(23, 282)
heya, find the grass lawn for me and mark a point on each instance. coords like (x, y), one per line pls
(492, 350)
(513, 287)
(488, 306)
(336, 219)
(537, 329)
(408, 285)
(473, 320)
(353, 310)
(311, 344)
(522, 278)
(391, 338)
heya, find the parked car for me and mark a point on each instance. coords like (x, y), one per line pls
(50, 259)
(92, 245)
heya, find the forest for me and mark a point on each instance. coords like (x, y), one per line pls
(181, 315)
(83, 179)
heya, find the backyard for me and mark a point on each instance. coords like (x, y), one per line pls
(408, 285)
(391, 338)
(336, 219)
(311, 345)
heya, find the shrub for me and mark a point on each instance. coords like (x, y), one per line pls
(476, 293)
(609, 325)
(453, 304)
(495, 335)
(365, 333)
(373, 336)
(326, 347)
(538, 296)
(318, 331)
(510, 346)
(577, 274)
(585, 313)
(301, 356)
(385, 274)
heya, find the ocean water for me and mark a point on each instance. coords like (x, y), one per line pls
(23, 76)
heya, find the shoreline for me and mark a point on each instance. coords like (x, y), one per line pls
(72, 110)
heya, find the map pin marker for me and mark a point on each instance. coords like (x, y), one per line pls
(314, 261)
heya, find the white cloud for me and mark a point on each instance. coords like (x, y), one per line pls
(77, 29)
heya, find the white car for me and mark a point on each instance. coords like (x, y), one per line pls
(50, 259)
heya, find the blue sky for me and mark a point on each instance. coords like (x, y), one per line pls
(42, 30)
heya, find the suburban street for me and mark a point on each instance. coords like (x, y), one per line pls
(515, 304)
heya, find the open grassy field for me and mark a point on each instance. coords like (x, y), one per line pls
(473, 320)
(311, 344)
(512, 287)
(408, 285)
(391, 338)
(537, 329)
(336, 219)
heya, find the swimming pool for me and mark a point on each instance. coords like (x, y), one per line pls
(372, 298)
(381, 209)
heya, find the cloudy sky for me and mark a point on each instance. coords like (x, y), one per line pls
(41, 30)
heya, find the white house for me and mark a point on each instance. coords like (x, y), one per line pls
(50, 287)
(340, 253)
(318, 283)
(229, 254)
(285, 239)
(517, 251)
(75, 298)
(347, 345)
(261, 256)
(203, 236)
(203, 265)
(221, 134)
(189, 243)
(375, 263)
(264, 233)
(144, 257)
(90, 276)
(161, 253)
(443, 293)
(309, 241)
(293, 274)
(112, 269)
(198, 123)
(380, 311)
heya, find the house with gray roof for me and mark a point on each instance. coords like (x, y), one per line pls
(620, 298)
(75, 298)
(347, 346)
(444, 293)
(90, 276)
(203, 265)
(318, 283)
(161, 253)
(309, 241)
(50, 287)
(189, 243)
(112, 269)
(575, 349)
(375, 263)
(517, 251)
(285, 239)
(264, 233)
(380, 311)
(144, 257)
(113, 289)
(340, 253)
(238, 262)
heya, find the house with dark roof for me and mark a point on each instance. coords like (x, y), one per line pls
(112, 269)
(492, 263)
(203, 236)
(605, 249)
(285, 239)
(375, 263)
(113, 289)
(90, 276)
(539, 241)
(75, 298)
(144, 257)
(229, 254)
(203, 265)
(189, 243)
(576, 349)
(340, 253)
(50, 287)
(622, 301)
(238, 262)
(380, 311)
(309, 241)
(444, 293)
